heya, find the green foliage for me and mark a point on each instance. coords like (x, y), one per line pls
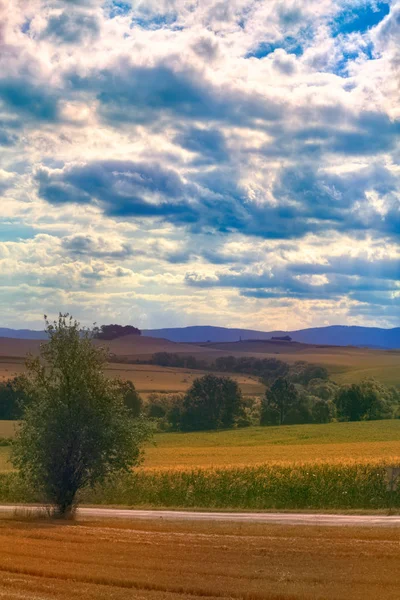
(76, 430)
(279, 404)
(323, 411)
(12, 398)
(131, 398)
(164, 410)
(211, 403)
(304, 373)
(370, 400)
(268, 369)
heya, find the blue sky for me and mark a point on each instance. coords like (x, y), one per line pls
(170, 163)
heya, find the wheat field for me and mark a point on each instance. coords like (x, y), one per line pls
(163, 561)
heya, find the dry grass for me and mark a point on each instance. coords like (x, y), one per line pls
(160, 561)
(152, 378)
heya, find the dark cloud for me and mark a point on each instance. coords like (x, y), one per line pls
(72, 27)
(379, 269)
(135, 94)
(86, 245)
(26, 99)
(121, 188)
(279, 283)
(367, 134)
(306, 200)
(209, 144)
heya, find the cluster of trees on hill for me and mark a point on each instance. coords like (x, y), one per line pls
(113, 331)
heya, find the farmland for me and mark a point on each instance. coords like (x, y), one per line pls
(158, 560)
(344, 364)
(330, 443)
(336, 466)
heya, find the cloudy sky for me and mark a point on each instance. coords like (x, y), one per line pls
(181, 162)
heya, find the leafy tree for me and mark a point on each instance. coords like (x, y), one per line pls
(303, 373)
(279, 400)
(322, 388)
(368, 401)
(12, 398)
(131, 398)
(211, 403)
(349, 403)
(77, 431)
(323, 411)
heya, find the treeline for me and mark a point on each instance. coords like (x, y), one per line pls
(267, 369)
(217, 403)
(13, 398)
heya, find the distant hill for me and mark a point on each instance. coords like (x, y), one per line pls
(24, 334)
(335, 335)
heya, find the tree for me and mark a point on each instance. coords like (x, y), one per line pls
(12, 398)
(303, 373)
(77, 430)
(131, 398)
(211, 403)
(281, 398)
(367, 401)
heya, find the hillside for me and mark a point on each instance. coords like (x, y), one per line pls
(130, 346)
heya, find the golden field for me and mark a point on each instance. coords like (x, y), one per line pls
(114, 560)
(368, 441)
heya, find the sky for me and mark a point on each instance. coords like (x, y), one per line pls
(188, 162)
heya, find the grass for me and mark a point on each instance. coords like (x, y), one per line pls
(160, 561)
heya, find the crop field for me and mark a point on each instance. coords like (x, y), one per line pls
(365, 441)
(336, 466)
(148, 378)
(160, 561)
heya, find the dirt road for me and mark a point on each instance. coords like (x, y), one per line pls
(279, 518)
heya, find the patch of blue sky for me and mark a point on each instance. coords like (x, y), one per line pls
(290, 44)
(118, 8)
(26, 26)
(154, 22)
(343, 65)
(11, 231)
(360, 18)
